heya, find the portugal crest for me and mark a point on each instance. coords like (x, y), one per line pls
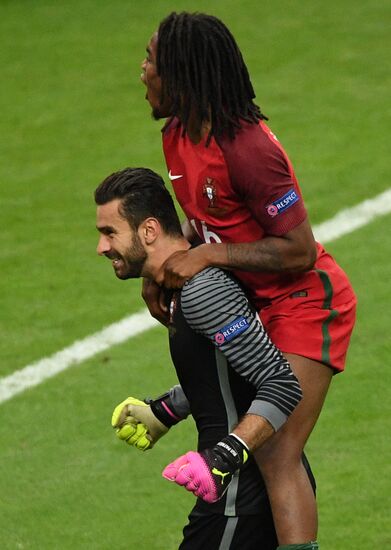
(209, 191)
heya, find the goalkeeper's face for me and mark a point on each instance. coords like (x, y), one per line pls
(119, 243)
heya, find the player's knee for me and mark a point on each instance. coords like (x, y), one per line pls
(275, 460)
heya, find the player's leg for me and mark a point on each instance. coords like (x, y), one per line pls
(280, 459)
(312, 327)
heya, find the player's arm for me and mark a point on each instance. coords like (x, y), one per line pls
(142, 423)
(215, 306)
(292, 252)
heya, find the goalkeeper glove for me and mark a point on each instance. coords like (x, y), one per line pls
(208, 473)
(142, 424)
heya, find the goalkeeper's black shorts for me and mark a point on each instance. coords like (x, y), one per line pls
(219, 532)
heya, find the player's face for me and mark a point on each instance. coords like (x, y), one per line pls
(153, 82)
(118, 242)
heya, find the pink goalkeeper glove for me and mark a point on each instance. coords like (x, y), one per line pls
(208, 473)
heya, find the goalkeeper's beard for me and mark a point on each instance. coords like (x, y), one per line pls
(130, 264)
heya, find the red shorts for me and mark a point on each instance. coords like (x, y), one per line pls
(316, 319)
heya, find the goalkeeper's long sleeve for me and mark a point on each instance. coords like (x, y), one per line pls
(215, 306)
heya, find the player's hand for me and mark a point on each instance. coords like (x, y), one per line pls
(208, 473)
(136, 424)
(182, 266)
(153, 296)
(135, 434)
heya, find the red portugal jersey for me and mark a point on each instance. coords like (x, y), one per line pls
(238, 191)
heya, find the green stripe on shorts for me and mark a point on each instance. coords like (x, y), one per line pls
(328, 289)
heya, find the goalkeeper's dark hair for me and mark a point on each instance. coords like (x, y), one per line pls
(204, 74)
(143, 194)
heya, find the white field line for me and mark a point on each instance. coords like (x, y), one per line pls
(342, 223)
(353, 218)
(79, 351)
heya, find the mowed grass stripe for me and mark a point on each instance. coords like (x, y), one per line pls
(32, 375)
(79, 351)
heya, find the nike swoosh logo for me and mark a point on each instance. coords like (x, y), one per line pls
(172, 178)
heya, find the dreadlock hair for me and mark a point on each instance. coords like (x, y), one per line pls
(143, 194)
(204, 74)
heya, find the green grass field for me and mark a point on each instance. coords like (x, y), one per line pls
(73, 111)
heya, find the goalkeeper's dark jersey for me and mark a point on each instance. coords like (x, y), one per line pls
(227, 366)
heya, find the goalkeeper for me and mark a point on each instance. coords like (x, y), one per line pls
(237, 385)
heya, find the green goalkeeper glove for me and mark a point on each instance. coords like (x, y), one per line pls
(142, 424)
(136, 424)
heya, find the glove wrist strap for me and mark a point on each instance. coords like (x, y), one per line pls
(233, 450)
(163, 410)
(240, 441)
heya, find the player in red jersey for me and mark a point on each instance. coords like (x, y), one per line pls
(241, 198)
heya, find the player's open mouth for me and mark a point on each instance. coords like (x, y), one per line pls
(116, 261)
